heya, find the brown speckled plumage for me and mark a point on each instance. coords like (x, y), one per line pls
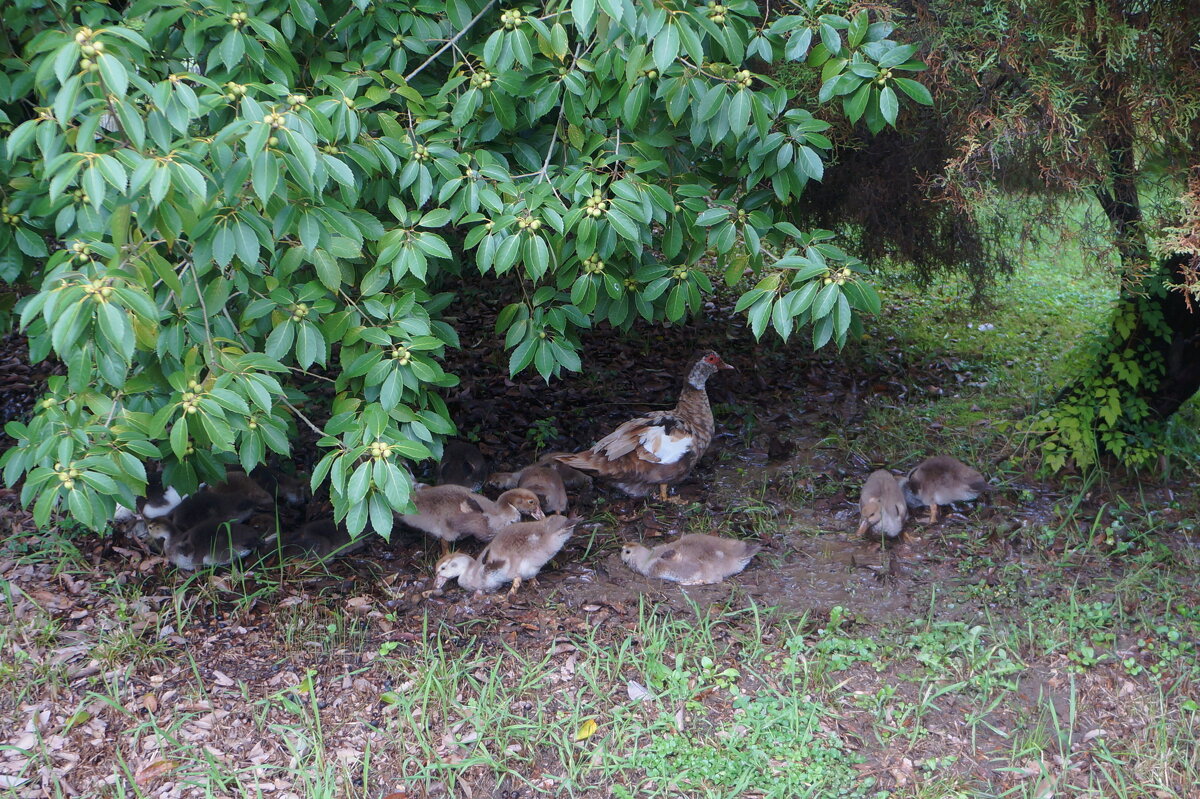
(661, 447)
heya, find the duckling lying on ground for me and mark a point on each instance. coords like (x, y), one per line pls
(280, 486)
(322, 540)
(694, 559)
(205, 505)
(157, 502)
(241, 486)
(544, 481)
(881, 506)
(462, 464)
(450, 512)
(941, 480)
(518, 552)
(210, 543)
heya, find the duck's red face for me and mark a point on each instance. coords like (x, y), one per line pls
(715, 360)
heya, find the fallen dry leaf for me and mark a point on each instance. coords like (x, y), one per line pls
(586, 730)
(637, 692)
(152, 771)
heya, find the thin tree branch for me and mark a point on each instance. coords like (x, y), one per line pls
(450, 43)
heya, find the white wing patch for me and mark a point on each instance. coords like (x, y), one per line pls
(171, 498)
(665, 447)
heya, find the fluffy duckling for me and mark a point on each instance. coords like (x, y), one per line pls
(238, 484)
(205, 505)
(881, 507)
(449, 512)
(573, 479)
(158, 501)
(280, 486)
(462, 464)
(322, 540)
(941, 480)
(694, 559)
(544, 481)
(210, 543)
(518, 552)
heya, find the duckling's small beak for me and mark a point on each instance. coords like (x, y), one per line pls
(538, 513)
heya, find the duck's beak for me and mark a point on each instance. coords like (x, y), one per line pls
(538, 513)
(439, 582)
(723, 365)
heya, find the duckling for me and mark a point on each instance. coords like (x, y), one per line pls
(940, 480)
(694, 559)
(280, 485)
(449, 512)
(518, 552)
(157, 502)
(322, 539)
(210, 543)
(238, 484)
(881, 506)
(462, 464)
(573, 479)
(206, 504)
(544, 481)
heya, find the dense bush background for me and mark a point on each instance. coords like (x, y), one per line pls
(213, 200)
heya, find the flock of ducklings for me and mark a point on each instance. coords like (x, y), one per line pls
(940, 480)
(210, 527)
(525, 526)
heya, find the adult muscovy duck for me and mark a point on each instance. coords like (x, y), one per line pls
(659, 448)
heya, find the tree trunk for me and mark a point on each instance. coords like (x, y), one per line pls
(1165, 336)
(1180, 349)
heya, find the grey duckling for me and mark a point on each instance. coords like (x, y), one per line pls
(322, 539)
(544, 481)
(518, 552)
(573, 479)
(694, 559)
(238, 484)
(941, 480)
(881, 506)
(450, 512)
(210, 543)
(205, 505)
(282, 487)
(462, 464)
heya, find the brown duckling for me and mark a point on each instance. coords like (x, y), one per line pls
(573, 479)
(449, 512)
(238, 484)
(518, 552)
(881, 506)
(941, 480)
(322, 539)
(544, 481)
(210, 543)
(280, 486)
(694, 559)
(205, 505)
(659, 448)
(462, 464)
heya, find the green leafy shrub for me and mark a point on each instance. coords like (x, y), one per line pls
(217, 202)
